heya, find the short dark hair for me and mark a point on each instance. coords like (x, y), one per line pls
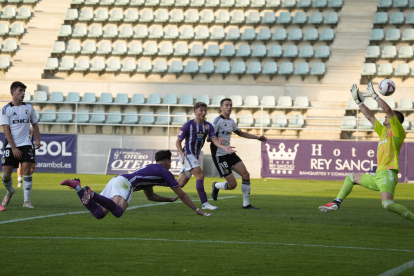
(17, 84)
(162, 155)
(400, 116)
(199, 104)
(223, 100)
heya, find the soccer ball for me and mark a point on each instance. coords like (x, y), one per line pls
(386, 87)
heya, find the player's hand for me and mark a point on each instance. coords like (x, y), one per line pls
(201, 213)
(355, 94)
(222, 140)
(230, 150)
(370, 92)
(17, 153)
(174, 198)
(263, 139)
(37, 144)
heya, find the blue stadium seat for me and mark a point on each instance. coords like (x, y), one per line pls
(65, 116)
(163, 120)
(207, 67)
(264, 34)
(48, 116)
(89, 98)
(138, 99)
(187, 99)
(56, 97)
(286, 68)
(275, 51)
(130, 118)
(147, 118)
(223, 67)
(279, 34)
(114, 118)
(170, 99)
(121, 98)
(154, 99)
(105, 98)
(98, 117)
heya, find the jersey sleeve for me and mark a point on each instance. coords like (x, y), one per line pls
(4, 118)
(212, 132)
(183, 132)
(216, 124)
(379, 128)
(33, 118)
(169, 179)
(236, 128)
(397, 130)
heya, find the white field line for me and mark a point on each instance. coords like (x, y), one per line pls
(399, 269)
(84, 212)
(223, 242)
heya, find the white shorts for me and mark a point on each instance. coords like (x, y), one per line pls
(190, 163)
(118, 186)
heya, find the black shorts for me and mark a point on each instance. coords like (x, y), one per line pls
(224, 164)
(8, 159)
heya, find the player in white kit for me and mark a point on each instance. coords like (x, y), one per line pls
(16, 118)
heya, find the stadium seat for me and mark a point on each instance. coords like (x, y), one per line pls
(130, 118)
(176, 67)
(335, 3)
(296, 121)
(351, 104)
(270, 68)
(122, 2)
(236, 99)
(401, 3)
(373, 52)
(4, 29)
(71, 15)
(385, 69)
(253, 17)
(187, 33)
(114, 65)
(161, 16)
(10, 46)
(327, 35)
(331, 18)
(223, 67)
(233, 34)
(213, 50)
(258, 4)
(131, 16)
(405, 103)
(107, 2)
(80, 31)
(304, 3)
(403, 69)
(279, 34)
(237, 17)
(98, 117)
(371, 103)
(138, 99)
(273, 4)
(406, 52)
(243, 51)
(207, 16)
(269, 18)
(105, 98)
(207, 67)
(299, 18)
(275, 51)
(51, 64)
(150, 49)
(126, 32)
(280, 121)
(95, 32)
(393, 35)
(290, 51)
(246, 120)
(141, 32)
(249, 34)
(263, 121)
(377, 35)
(65, 31)
(186, 100)
(156, 32)
(390, 101)
(73, 47)
(104, 48)
(89, 98)
(182, 3)
(369, 69)
(191, 67)
(349, 122)
(289, 3)
(152, 3)
(197, 4)
(284, 18)
(295, 34)
(217, 99)
(408, 35)
(180, 118)
(170, 99)
(91, 2)
(177, 16)
(316, 18)
(181, 50)
(203, 98)
(40, 96)
(397, 18)
(154, 99)
(192, 16)
(147, 15)
(4, 62)
(242, 3)
(218, 33)
(318, 69)
(145, 66)
(73, 97)
(410, 18)
(9, 13)
(101, 15)
(114, 118)
(228, 51)
(129, 66)
(311, 35)
(121, 98)
(286, 68)
(212, 3)
(166, 49)
(254, 68)
(135, 49)
(323, 52)
(320, 3)
(259, 51)
(197, 50)
(389, 52)
(364, 123)
(306, 52)
(67, 64)
(252, 100)
(111, 31)
(65, 116)
(172, 33)
(48, 116)
(160, 66)
(202, 33)
(302, 101)
(82, 117)
(264, 34)
(227, 3)
(86, 15)
(302, 68)
(381, 18)
(98, 65)
(163, 120)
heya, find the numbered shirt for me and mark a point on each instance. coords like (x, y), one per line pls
(19, 119)
(390, 144)
(195, 135)
(223, 129)
(151, 175)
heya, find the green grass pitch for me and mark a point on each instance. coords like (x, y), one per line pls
(287, 236)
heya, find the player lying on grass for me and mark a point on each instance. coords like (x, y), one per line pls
(117, 194)
(392, 136)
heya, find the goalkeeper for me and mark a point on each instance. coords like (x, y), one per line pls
(392, 136)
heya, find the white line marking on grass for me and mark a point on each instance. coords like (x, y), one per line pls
(398, 269)
(224, 242)
(285, 189)
(84, 212)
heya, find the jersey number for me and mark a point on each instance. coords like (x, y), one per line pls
(7, 153)
(224, 165)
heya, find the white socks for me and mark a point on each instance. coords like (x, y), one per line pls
(27, 187)
(19, 179)
(222, 185)
(9, 185)
(246, 192)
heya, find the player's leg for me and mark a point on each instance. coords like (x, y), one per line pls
(27, 183)
(223, 166)
(240, 168)
(19, 176)
(8, 183)
(183, 179)
(199, 175)
(33, 167)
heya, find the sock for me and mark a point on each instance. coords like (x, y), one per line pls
(78, 188)
(94, 208)
(246, 192)
(8, 184)
(222, 185)
(399, 209)
(200, 189)
(27, 187)
(109, 204)
(19, 179)
(346, 188)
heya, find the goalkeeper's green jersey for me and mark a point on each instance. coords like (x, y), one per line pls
(390, 144)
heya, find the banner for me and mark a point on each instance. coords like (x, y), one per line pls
(57, 153)
(325, 160)
(124, 161)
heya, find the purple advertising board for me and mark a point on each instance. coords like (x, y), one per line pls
(326, 160)
(123, 161)
(57, 153)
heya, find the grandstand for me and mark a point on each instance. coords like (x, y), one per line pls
(133, 68)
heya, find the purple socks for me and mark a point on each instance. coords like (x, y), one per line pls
(109, 204)
(200, 189)
(94, 208)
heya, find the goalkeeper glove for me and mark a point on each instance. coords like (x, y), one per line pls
(371, 92)
(355, 95)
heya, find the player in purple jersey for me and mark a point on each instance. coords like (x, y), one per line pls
(194, 132)
(117, 194)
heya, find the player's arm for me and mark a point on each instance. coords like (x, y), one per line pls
(384, 106)
(149, 193)
(187, 201)
(364, 109)
(16, 152)
(37, 135)
(251, 136)
(218, 144)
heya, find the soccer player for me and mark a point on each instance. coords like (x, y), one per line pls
(392, 136)
(16, 118)
(225, 163)
(194, 132)
(117, 194)
(19, 170)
